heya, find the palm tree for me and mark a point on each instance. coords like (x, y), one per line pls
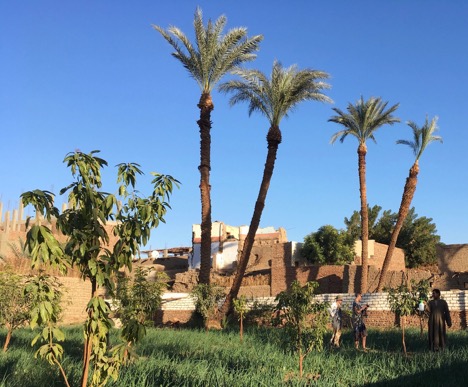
(422, 137)
(361, 121)
(274, 98)
(213, 57)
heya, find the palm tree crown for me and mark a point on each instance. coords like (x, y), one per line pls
(423, 136)
(277, 96)
(215, 54)
(363, 119)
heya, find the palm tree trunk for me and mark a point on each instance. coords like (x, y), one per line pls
(273, 139)
(362, 150)
(206, 106)
(408, 194)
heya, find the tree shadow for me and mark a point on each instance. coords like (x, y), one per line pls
(453, 374)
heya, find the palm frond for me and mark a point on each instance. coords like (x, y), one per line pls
(234, 49)
(277, 96)
(363, 118)
(215, 54)
(422, 136)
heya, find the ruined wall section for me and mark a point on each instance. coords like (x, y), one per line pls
(335, 278)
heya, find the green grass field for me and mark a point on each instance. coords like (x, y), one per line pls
(198, 358)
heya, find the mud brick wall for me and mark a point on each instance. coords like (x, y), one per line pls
(332, 278)
(380, 250)
(453, 265)
(77, 294)
(329, 277)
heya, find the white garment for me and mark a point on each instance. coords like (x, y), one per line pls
(332, 309)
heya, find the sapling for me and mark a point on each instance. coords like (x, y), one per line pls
(241, 308)
(404, 300)
(83, 223)
(303, 318)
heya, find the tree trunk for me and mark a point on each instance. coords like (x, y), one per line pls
(7, 339)
(88, 342)
(362, 150)
(301, 360)
(206, 106)
(241, 328)
(273, 139)
(408, 194)
(403, 334)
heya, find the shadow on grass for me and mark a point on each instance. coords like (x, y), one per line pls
(453, 374)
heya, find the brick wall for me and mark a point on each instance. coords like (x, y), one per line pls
(179, 308)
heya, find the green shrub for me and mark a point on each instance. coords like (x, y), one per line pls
(140, 298)
(14, 304)
(207, 298)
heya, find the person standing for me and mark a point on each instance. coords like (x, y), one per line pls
(359, 324)
(439, 315)
(336, 318)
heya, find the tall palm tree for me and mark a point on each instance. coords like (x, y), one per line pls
(274, 98)
(213, 57)
(422, 137)
(361, 121)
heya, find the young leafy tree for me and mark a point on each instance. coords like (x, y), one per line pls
(275, 98)
(404, 300)
(362, 121)
(328, 246)
(14, 304)
(45, 294)
(422, 137)
(208, 60)
(241, 308)
(304, 319)
(84, 225)
(421, 290)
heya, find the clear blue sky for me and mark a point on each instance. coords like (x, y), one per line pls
(95, 75)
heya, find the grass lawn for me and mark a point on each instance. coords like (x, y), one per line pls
(198, 358)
